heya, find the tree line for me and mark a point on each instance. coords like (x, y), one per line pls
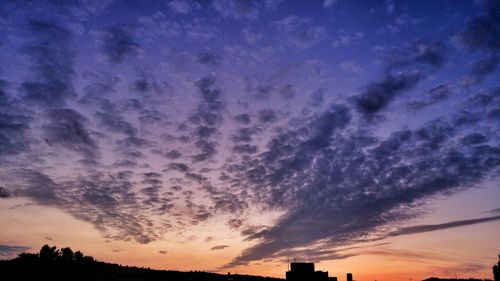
(55, 264)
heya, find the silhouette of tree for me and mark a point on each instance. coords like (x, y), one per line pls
(496, 270)
(66, 265)
(28, 258)
(49, 253)
(67, 254)
(78, 256)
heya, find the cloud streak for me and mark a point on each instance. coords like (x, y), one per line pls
(435, 227)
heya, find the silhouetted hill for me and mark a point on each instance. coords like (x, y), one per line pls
(64, 264)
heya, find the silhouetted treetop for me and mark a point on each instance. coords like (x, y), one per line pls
(55, 264)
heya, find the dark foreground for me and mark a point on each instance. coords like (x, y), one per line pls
(64, 264)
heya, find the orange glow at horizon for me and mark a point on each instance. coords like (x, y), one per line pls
(413, 257)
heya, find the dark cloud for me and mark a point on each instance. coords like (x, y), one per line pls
(243, 118)
(207, 118)
(405, 67)
(13, 133)
(151, 175)
(483, 103)
(100, 84)
(259, 91)
(4, 96)
(481, 68)
(226, 202)
(474, 138)
(141, 85)
(67, 128)
(176, 187)
(483, 31)
(432, 96)
(484, 99)
(219, 247)
(201, 215)
(149, 117)
(196, 177)
(118, 43)
(51, 55)
(5, 193)
(207, 149)
(494, 211)
(348, 176)
(249, 231)
(146, 82)
(431, 53)
(163, 252)
(37, 186)
(173, 154)
(106, 200)
(379, 94)
(272, 169)
(267, 116)
(111, 205)
(126, 163)
(245, 148)
(111, 118)
(434, 227)
(287, 91)
(208, 58)
(244, 134)
(439, 92)
(8, 251)
(181, 167)
(317, 97)
(235, 223)
(153, 183)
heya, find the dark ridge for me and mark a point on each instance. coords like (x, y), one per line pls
(64, 264)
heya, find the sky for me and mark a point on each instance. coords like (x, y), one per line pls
(238, 135)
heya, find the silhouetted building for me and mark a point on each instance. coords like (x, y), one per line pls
(304, 271)
(349, 276)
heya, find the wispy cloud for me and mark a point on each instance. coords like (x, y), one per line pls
(435, 227)
(8, 251)
(219, 247)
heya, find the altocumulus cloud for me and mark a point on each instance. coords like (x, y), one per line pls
(344, 184)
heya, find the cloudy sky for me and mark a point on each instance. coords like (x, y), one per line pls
(235, 135)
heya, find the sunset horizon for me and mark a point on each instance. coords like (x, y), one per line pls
(241, 135)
